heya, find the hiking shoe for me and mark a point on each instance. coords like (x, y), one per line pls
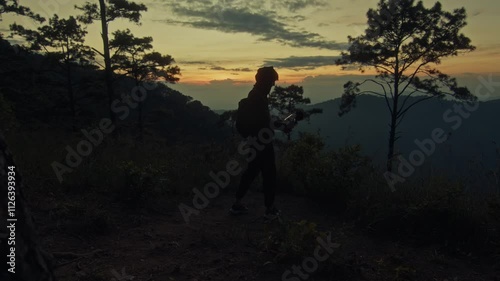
(238, 209)
(272, 213)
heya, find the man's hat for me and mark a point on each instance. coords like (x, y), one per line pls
(266, 73)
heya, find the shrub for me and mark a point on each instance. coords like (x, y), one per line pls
(140, 185)
(291, 241)
(437, 212)
(331, 177)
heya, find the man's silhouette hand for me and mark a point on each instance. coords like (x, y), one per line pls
(288, 128)
(279, 124)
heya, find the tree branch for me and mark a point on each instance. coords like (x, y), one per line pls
(412, 76)
(401, 113)
(377, 94)
(390, 87)
(97, 51)
(371, 92)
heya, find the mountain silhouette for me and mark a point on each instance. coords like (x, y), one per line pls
(476, 139)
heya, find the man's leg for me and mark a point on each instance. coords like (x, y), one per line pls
(248, 176)
(268, 165)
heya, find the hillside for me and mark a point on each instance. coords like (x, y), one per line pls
(477, 137)
(34, 96)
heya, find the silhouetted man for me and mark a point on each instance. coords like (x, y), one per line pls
(264, 160)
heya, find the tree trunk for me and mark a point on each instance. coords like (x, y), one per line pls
(71, 97)
(139, 118)
(31, 262)
(394, 120)
(107, 64)
(392, 140)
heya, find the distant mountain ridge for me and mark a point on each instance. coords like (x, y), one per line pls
(472, 135)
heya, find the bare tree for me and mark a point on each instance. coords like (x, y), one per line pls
(402, 43)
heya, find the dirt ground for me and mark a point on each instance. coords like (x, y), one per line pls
(218, 246)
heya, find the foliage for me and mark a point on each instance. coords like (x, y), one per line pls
(115, 9)
(140, 184)
(330, 177)
(63, 39)
(33, 91)
(438, 211)
(287, 100)
(12, 6)
(7, 115)
(292, 240)
(302, 162)
(228, 118)
(134, 57)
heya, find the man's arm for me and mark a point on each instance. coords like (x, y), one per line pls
(262, 113)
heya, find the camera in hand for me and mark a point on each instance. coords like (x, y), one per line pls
(295, 117)
(291, 120)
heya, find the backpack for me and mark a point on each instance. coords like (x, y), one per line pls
(246, 123)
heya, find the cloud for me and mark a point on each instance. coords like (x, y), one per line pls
(284, 5)
(217, 68)
(192, 62)
(243, 69)
(265, 24)
(205, 65)
(297, 63)
(476, 13)
(356, 24)
(294, 5)
(488, 49)
(226, 82)
(220, 68)
(299, 18)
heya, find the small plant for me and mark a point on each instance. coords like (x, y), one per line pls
(292, 240)
(404, 273)
(140, 184)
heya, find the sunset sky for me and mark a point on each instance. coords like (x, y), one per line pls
(219, 44)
